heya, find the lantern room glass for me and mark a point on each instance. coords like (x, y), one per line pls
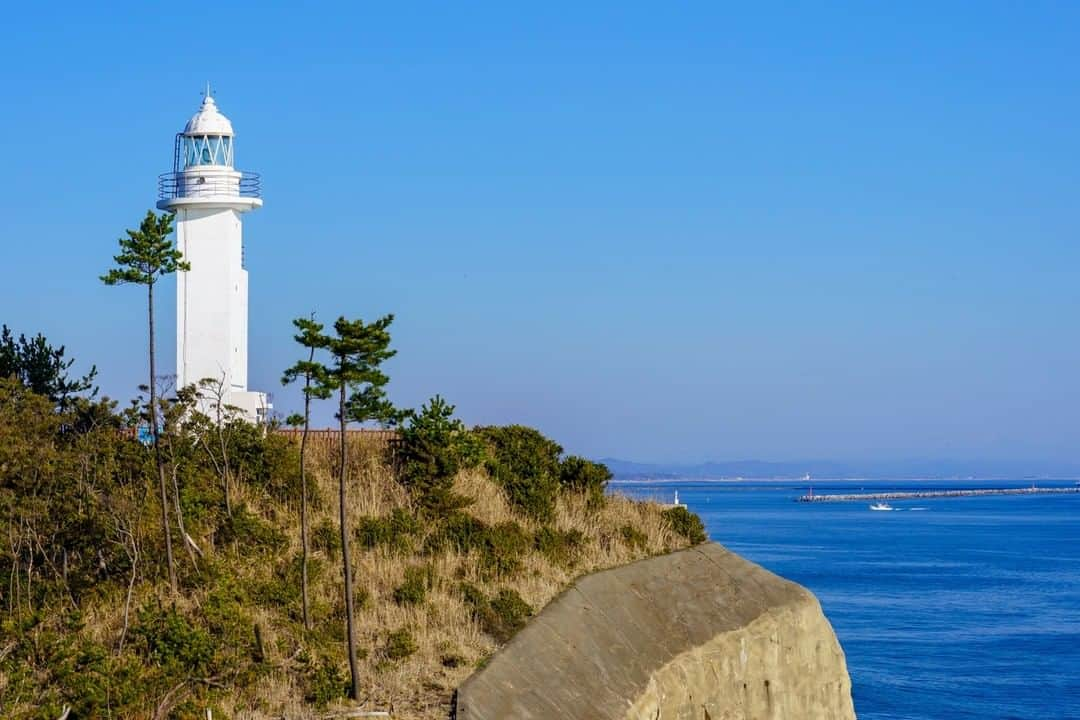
(202, 150)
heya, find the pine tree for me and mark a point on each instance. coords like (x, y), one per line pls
(146, 255)
(42, 368)
(358, 351)
(315, 387)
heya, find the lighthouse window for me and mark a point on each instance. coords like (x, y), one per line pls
(208, 150)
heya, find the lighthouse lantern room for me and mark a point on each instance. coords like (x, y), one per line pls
(208, 196)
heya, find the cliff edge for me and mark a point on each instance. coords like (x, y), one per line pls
(697, 634)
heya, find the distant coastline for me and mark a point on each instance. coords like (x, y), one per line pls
(826, 470)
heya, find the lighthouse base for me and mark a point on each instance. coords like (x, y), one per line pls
(249, 406)
(253, 406)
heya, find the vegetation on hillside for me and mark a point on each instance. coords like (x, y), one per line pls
(304, 573)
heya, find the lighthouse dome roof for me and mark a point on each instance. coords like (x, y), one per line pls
(208, 121)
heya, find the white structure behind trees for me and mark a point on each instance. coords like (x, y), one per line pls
(209, 196)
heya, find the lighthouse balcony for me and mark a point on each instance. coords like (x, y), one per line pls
(209, 186)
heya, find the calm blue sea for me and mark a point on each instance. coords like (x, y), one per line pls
(946, 609)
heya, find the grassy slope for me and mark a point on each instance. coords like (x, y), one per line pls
(449, 638)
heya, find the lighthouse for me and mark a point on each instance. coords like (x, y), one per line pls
(209, 197)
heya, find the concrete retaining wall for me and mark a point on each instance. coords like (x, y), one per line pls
(700, 633)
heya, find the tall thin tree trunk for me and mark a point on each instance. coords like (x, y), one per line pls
(350, 626)
(226, 477)
(157, 444)
(304, 497)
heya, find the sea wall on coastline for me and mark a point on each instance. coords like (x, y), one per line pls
(697, 634)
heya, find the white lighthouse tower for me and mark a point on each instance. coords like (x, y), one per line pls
(208, 196)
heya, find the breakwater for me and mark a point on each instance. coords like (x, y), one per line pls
(931, 494)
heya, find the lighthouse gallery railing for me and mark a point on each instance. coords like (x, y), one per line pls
(179, 184)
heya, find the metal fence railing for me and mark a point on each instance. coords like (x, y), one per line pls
(173, 185)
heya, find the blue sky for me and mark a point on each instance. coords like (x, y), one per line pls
(655, 231)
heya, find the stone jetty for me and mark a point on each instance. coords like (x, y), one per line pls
(931, 494)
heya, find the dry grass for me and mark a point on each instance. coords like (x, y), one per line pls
(449, 642)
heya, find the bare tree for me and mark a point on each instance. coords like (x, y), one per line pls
(216, 390)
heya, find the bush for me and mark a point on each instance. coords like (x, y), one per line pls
(460, 532)
(472, 595)
(400, 644)
(225, 614)
(511, 611)
(418, 580)
(434, 447)
(266, 460)
(169, 641)
(634, 538)
(504, 546)
(686, 523)
(499, 617)
(576, 474)
(282, 588)
(324, 683)
(526, 465)
(325, 537)
(498, 548)
(395, 531)
(249, 531)
(559, 546)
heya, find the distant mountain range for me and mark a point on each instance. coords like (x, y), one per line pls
(760, 469)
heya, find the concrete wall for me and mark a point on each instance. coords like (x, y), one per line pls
(700, 633)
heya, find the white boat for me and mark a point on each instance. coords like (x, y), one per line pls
(881, 506)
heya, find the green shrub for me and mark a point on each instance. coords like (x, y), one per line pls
(400, 644)
(472, 595)
(282, 587)
(500, 617)
(526, 465)
(249, 531)
(460, 532)
(170, 641)
(418, 580)
(395, 531)
(634, 538)
(511, 611)
(686, 523)
(559, 546)
(201, 502)
(576, 474)
(503, 549)
(326, 538)
(498, 548)
(224, 612)
(361, 598)
(265, 460)
(325, 683)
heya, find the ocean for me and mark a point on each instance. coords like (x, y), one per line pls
(946, 608)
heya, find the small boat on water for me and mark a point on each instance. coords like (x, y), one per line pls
(881, 506)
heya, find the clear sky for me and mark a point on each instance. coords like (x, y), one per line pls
(663, 231)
